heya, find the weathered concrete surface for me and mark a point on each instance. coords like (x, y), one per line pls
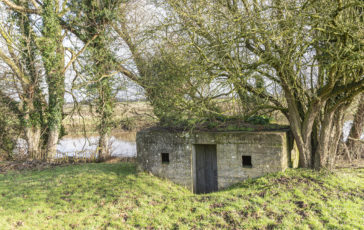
(269, 151)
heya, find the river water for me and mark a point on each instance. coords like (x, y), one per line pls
(121, 144)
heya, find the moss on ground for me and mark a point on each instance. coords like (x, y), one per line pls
(115, 196)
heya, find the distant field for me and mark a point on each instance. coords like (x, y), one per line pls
(127, 116)
(115, 196)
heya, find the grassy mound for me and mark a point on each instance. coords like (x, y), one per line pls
(114, 196)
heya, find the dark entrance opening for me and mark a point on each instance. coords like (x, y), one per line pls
(246, 161)
(165, 158)
(206, 168)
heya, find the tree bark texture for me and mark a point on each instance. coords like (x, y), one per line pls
(329, 139)
(33, 138)
(355, 147)
(53, 136)
(103, 147)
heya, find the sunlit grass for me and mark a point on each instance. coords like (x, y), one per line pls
(115, 196)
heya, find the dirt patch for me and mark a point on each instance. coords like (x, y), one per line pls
(229, 219)
(262, 193)
(303, 213)
(282, 180)
(301, 204)
(217, 205)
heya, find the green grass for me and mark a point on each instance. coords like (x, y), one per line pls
(115, 196)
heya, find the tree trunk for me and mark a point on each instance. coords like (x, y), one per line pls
(304, 149)
(356, 130)
(329, 139)
(32, 125)
(105, 109)
(103, 148)
(322, 152)
(52, 141)
(53, 60)
(302, 128)
(32, 98)
(337, 132)
(32, 135)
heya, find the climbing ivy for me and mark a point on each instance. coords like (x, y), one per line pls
(52, 51)
(100, 60)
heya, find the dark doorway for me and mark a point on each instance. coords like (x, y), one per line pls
(206, 168)
(246, 161)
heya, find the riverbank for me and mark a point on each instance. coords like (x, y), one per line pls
(115, 196)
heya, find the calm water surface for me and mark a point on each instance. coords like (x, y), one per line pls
(122, 145)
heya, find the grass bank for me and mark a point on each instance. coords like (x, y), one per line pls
(114, 196)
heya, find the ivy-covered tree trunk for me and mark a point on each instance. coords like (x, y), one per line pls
(105, 109)
(99, 16)
(104, 151)
(33, 125)
(53, 60)
(38, 116)
(32, 119)
(102, 65)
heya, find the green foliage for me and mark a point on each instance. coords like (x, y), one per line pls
(33, 106)
(53, 60)
(9, 132)
(99, 13)
(259, 120)
(115, 196)
(173, 84)
(239, 123)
